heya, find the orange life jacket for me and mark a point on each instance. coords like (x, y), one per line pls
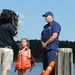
(22, 62)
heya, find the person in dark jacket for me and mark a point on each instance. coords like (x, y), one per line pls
(7, 31)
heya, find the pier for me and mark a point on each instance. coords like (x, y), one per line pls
(64, 61)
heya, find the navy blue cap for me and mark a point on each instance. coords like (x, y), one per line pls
(47, 14)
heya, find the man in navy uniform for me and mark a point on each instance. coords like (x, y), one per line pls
(49, 40)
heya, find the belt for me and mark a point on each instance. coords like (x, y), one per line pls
(5, 47)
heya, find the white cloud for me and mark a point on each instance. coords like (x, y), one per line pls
(21, 15)
(21, 22)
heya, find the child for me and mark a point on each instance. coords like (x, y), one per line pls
(24, 55)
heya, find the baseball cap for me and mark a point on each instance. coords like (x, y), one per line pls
(47, 14)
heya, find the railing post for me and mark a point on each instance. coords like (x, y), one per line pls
(64, 61)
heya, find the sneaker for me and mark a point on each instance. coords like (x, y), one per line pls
(42, 72)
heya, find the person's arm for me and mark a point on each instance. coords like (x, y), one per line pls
(29, 54)
(16, 35)
(42, 41)
(13, 31)
(20, 51)
(51, 39)
(56, 31)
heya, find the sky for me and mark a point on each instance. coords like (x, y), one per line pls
(31, 21)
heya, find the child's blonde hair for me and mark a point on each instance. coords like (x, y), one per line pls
(28, 44)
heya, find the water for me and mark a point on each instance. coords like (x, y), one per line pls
(74, 69)
(35, 71)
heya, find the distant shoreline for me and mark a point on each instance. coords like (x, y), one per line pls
(41, 60)
(36, 60)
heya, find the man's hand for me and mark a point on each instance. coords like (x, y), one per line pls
(44, 45)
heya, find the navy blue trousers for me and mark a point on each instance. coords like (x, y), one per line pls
(48, 56)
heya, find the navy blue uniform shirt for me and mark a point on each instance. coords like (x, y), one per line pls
(7, 31)
(48, 29)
